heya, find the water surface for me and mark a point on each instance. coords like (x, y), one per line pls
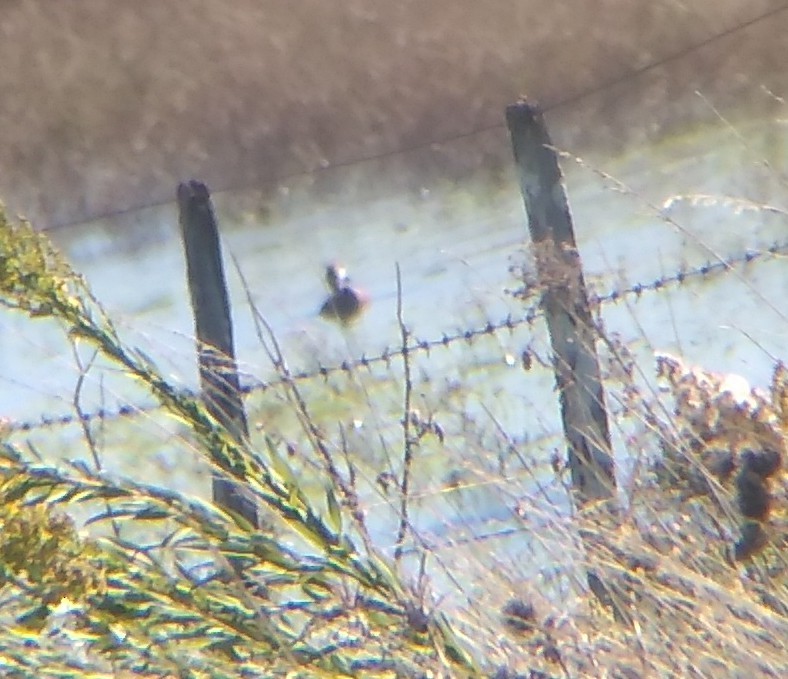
(674, 205)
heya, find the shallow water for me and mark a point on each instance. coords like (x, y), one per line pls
(454, 246)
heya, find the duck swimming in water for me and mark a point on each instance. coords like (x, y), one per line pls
(345, 303)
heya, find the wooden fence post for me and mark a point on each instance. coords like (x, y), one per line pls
(565, 304)
(213, 327)
(571, 327)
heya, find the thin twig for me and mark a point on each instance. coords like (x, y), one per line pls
(407, 438)
(77, 403)
(271, 345)
(85, 423)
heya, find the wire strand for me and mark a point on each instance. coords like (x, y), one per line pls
(417, 346)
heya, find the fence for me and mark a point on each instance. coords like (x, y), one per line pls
(533, 521)
(584, 412)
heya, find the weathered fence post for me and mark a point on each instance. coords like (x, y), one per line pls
(213, 327)
(571, 327)
(565, 304)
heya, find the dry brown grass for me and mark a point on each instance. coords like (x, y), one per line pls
(106, 105)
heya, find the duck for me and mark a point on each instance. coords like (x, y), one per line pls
(345, 303)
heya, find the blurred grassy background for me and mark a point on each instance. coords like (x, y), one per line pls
(106, 105)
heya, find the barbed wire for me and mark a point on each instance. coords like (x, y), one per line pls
(446, 340)
(568, 100)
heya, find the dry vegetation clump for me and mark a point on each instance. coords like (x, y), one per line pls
(681, 599)
(694, 563)
(686, 612)
(727, 435)
(106, 106)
